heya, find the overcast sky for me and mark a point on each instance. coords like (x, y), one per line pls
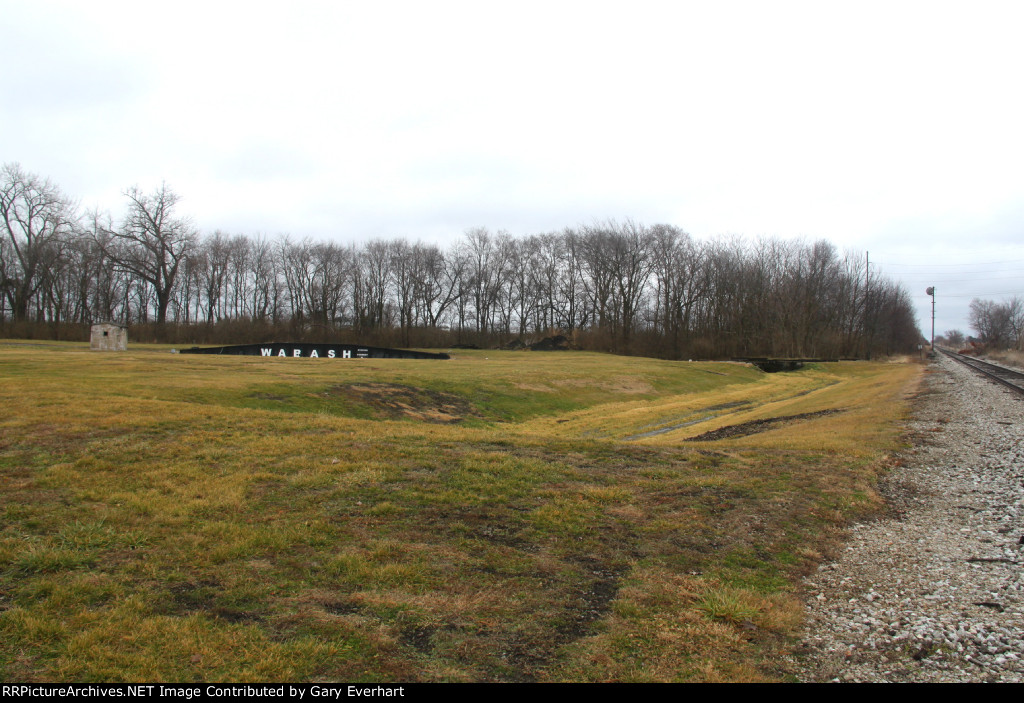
(895, 128)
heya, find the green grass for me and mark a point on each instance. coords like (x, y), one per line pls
(494, 517)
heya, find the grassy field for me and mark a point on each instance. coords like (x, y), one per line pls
(507, 516)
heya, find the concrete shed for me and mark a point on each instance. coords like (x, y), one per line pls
(108, 336)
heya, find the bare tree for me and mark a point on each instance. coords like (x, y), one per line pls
(8, 274)
(597, 265)
(633, 265)
(37, 220)
(213, 257)
(403, 267)
(297, 271)
(481, 254)
(681, 279)
(239, 283)
(152, 243)
(526, 284)
(436, 285)
(331, 284)
(998, 324)
(264, 267)
(987, 319)
(373, 278)
(1015, 313)
(457, 267)
(571, 292)
(954, 338)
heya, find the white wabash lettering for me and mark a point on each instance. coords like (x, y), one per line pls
(266, 352)
(330, 353)
(281, 353)
(296, 352)
(346, 354)
(314, 355)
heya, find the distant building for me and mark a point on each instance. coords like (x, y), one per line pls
(108, 336)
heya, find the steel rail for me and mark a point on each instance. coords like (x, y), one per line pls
(991, 371)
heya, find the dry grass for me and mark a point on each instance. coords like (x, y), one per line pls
(1009, 357)
(482, 519)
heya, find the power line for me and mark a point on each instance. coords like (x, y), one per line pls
(963, 263)
(978, 295)
(950, 273)
(936, 279)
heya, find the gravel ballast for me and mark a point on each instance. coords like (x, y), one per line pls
(933, 591)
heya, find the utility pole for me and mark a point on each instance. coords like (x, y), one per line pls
(931, 291)
(868, 338)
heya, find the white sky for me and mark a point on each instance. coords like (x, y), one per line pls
(890, 127)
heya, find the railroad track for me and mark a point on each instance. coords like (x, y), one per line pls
(1009, 378)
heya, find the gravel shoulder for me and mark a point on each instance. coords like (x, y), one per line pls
(933, 591)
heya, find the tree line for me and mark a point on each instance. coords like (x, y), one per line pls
(621, 287)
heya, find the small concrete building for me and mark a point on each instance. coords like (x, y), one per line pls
(108, 336)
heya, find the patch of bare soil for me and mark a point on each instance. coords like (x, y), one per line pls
(687, 420)
(395, 401)
(755, 426)
(191, 597)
